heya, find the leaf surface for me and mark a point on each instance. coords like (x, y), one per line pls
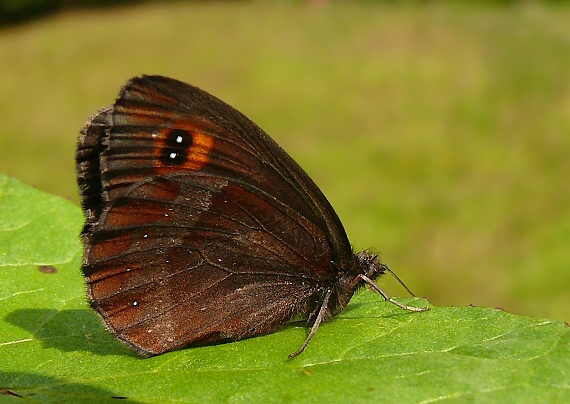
(54, 348)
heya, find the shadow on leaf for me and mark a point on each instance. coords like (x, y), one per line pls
(68, 330)
(29, 386)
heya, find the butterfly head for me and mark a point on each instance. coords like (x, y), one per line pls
(370, 268)
(369, 265)
(364, 266)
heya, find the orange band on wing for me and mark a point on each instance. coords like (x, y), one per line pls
(200, 151)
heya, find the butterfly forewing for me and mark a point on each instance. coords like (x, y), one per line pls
(154, 110)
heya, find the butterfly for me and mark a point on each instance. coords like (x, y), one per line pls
(201, 229)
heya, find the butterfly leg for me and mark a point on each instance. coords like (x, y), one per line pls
(385, 295)
(318, 321)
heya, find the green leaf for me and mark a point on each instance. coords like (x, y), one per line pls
(54, 348)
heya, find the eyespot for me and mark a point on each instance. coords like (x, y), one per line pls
(182, 148)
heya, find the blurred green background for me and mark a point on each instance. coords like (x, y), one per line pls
(439, 131)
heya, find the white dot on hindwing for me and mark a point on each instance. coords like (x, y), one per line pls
(173, 155)
(179, 139)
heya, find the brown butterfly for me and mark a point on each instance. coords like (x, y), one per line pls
(200, 228)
